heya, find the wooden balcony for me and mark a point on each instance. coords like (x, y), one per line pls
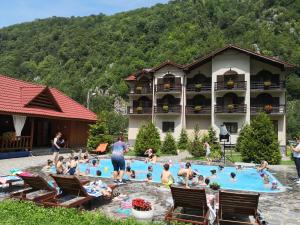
(235, 85)
(141, 91)
(231, 109)
(168, 88)
(170, 109)
(262, 86)
(18, 143)
(269, 109)
(197, 88)
(196, 110)
(139, 110)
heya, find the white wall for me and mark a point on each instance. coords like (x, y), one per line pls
(168, 118)
(134, 124)
(204, 123)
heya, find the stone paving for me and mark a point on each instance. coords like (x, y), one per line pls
(277, 209)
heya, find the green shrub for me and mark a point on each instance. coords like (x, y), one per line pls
(169, 145)
(258, 141)
(148, 137)
(183, 140)
(98, 133)
(195, 146)
(216, 151)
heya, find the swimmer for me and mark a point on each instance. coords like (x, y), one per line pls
(220, 167)
(128, 171)
(98, 173)
(201, 181)
(132, 175)
(233, 177)
(264, 165)
(213, 174)
(47, 168)
(186, 174)
(150, 169)
(149, 177)
(166, 177)
(207, 181)
(94, 163)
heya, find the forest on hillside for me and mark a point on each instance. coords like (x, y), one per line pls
(78, 54)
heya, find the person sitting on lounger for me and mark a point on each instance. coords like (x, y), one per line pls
(185, 174)
(264, 165)
(98, 188)
(60, 169)
(166, 176)
(47, 168)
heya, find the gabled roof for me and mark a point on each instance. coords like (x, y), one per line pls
(167, 63)
(25, 98)
(253, 54)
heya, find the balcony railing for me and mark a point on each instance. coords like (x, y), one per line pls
(21, 142)
(233, 108)
(267, 85)
(194, 110)
(198, 88)
(139, 110)
(167, 109)
(270, 109)
(141, 91)
(168, 88)
(235, 85)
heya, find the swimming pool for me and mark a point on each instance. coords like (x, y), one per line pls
(247, 179)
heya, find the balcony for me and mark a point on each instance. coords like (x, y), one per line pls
(168, 88)
(231, 109)
(167, 109)
(267, 85)
(198, 110)
(139, 110)
(198, 88)
(230, 85)
(269, 109)
(139, 90)
(21, 142)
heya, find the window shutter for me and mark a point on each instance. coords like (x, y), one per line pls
(220, 101)
(220, 78)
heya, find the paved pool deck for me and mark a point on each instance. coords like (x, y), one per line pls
(277, 209)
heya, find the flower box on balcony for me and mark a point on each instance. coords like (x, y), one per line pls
(198, 108)
(139, 89)
(165, 109)
(267, 84)
(167, 87)
(230, 84)
(268, 108)
(198, 87)
(139, 109)
(230, 108)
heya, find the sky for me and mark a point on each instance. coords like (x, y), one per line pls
(18, 11)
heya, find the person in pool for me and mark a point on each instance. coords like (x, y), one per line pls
(233, 177)
(60, 169)
(149, 177)
(263, 166)
(167, 178)
(84, 158)
(94, 163)
(213, 174)
(47, 168)
(150, 169)
(201, 181)
(151, 156)
(132, 175)
(185, 174)
(118, 160)
(73, 166)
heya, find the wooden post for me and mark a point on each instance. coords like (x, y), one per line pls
(31, 132)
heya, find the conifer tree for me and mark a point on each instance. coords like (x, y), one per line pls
(195, 146)
(183, 140)
(169, 145)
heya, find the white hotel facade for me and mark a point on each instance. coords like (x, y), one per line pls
(229, 86)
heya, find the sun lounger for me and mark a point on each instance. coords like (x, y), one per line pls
(37, 189)
(9, 179)
(193, 200)
(102, 147)
(237, 204)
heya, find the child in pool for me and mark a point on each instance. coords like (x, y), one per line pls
(47, 168)
(149, 177)
(233, 177)
(132, 175)
(98, 173)
(128, 171)
(201, 180)
(166, 177)
(207, 181)
(185, 174)
(264, 165)
(213, 174)
(220, 167)
(150, 169)
(94, 163)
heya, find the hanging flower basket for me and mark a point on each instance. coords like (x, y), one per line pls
(230, 108)
(230, 84)
(267, 84)
(268, 108)
(165, 108)
(142, 209)
(139, 109)
(139, 89)
(198, 108)
(198, 87)
(167, 87)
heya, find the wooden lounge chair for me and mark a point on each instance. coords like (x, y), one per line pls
(233, 203)
(102, 147)
(72, 194)
(188, 199)
(37, 189)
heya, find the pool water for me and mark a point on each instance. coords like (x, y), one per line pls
(247, 179)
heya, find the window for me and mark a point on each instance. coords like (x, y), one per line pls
(168, 126)
(232, 128)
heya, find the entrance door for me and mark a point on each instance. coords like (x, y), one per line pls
(42, 133)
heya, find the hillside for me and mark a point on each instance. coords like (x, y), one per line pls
(79, 53)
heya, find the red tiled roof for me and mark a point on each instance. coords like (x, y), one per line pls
(16, 94)
(132, 77)
(166, 63)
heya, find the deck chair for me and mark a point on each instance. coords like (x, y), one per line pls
(233, 203)
(102, 147)
(37, 189)
(188, 199)
(72, 193)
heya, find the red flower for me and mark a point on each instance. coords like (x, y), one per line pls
(141, 205)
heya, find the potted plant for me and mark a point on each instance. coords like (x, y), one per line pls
(142, 209)
(230, 107)
(268, 108)
(214, 186)
(198, 87)
(230, 84)
(139, 109)
(167, 87)
(139, 89)
(165, 108)
(198, 108)
(267, 84)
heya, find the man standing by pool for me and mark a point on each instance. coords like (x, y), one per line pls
(118, 160)
(296, 154)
